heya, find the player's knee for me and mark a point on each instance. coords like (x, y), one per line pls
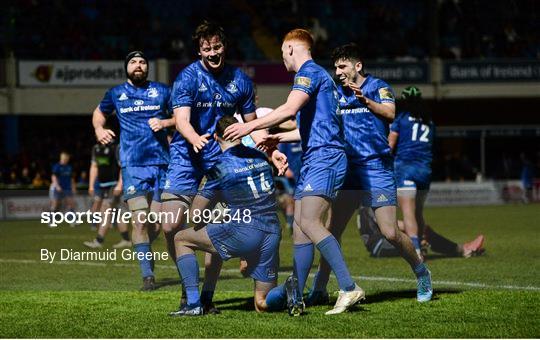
(139, 227)
(390, 233)
(180, 238)
(139, 220)
(169, 227)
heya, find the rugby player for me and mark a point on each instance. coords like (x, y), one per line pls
(411, 139)
(314, 96)
(378, 246)
(202, 93)
(62, 186)
(105, 170)
(142, 108)
(242, 178)
(367, 106)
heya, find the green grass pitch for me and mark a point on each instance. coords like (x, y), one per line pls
(495, 295)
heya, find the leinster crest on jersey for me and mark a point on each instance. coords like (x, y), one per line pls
(152, 92)
(231, 87)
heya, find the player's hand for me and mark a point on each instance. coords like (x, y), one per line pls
(117, 191)
(104, 136)
(358, 93)
(155, 124)
(58, 188)
(200, 142)
(280, 161)
(91, 191)
(268, 143)
(237, 131)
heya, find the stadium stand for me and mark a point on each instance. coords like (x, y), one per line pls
(97, 30)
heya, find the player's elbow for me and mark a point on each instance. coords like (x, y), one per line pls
(390, 113)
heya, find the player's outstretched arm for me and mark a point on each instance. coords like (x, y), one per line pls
(182, 116)
(296, 100)
(277, 157)
(104, 136)
(288, 125)
(271, 141)
(257, 135)
(392, 140)
(289, 136)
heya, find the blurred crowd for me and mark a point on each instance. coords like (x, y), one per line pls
(389, 29)
(40, 149)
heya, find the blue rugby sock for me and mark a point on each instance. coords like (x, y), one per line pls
(330, 250)
(189, 269)
(144, 262)
(420, 270)
(303, 259)
(416, 242)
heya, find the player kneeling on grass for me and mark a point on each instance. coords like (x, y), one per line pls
(242, 178)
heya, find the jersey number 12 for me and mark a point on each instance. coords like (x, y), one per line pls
(424, 130)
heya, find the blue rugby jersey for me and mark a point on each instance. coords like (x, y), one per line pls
(415, 141)
(63, 173)
(318, 120)
(366, 134)
(243, 179)
(210, 97)
(134, 106)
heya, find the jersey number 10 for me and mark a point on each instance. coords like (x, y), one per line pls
(265, 186)
(424, 130)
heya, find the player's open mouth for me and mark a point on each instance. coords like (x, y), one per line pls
(214, 61)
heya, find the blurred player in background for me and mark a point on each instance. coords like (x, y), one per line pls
(62, 186)
(324, 163)
(142, 108)
(367, 106)
(203, 92)
(378, 246)
(94, 192)
(411, 139)
(105, 170)
(242, 178)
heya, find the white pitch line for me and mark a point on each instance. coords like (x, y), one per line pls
(365, 278)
